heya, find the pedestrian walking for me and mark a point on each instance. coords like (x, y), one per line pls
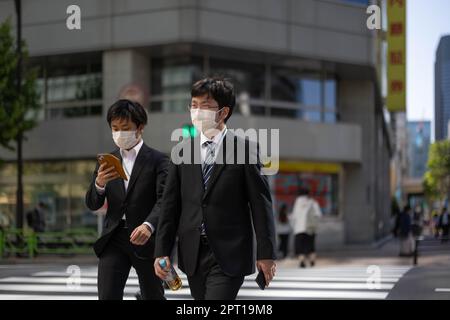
(304, 220)
(405, 232)
(444, 224)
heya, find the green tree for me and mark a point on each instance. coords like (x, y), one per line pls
(19, 100)
(437, 177)
(18, 111)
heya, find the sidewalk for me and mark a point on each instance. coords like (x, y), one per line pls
(384, 254)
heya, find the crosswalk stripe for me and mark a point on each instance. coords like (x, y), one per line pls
(355, 278)
(247, 283)
(290, 283)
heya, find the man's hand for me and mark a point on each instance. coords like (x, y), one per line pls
(268, 267)
(160, 272)
(140, 235)
(105, 175)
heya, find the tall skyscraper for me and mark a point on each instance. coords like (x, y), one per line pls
(418, 146)
(442, 89)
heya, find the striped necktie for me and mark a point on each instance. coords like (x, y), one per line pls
(209, 162)
(206, 171)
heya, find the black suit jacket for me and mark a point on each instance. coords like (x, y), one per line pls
(140, 202)
(237, 202)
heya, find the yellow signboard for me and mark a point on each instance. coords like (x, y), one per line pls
(396, 55)
(316, 167)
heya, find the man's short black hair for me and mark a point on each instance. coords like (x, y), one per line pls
(127, 109)
(220, 89)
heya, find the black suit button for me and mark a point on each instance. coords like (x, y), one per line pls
(203, 205)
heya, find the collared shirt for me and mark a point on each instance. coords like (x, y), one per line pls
(216, 142)
(128, 160)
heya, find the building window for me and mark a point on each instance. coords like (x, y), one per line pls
(310, 96)
(261, 89)
(171, 83)
(70, 87)
(61, 185)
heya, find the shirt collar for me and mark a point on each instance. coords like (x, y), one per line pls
(125, 153)
(217, 138)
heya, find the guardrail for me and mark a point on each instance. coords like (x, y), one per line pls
(28, 243)
(423, 244)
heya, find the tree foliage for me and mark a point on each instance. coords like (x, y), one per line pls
(18, 111)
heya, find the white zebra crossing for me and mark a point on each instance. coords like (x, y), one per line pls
(342, 282)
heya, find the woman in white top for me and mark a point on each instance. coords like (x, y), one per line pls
(304, 220)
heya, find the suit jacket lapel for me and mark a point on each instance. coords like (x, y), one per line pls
(196, 167)
(138, 165)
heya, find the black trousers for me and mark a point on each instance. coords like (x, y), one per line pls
(209, 281)
(114, 267)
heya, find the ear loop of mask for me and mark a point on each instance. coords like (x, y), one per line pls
(220, 110)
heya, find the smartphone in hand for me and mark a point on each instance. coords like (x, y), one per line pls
(112, 161)
(261, 280)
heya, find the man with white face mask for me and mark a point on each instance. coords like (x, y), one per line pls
(215, 206)
(133, 206)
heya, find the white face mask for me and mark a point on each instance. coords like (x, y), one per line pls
(204, 120)
(126, 139)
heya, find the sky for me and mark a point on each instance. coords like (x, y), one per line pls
(427, 22)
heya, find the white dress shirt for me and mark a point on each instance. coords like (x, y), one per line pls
(216, 142)
(128, 160)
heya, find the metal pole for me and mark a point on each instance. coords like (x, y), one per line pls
(19, 198)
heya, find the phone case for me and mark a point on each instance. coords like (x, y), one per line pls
(112, 161)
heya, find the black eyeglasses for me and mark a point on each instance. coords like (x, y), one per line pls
(190, 107)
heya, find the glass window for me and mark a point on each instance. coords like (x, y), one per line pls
(248, 80)
(330, 101)
(309, 94)
(311, 97)
(70, 87)
(246, 77)
(361, 2)
(330, 94)
(61, 185)
(172, 79)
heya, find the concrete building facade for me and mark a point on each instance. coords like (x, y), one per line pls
(307, 68)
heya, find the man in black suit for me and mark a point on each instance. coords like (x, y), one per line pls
(133, 206)
(215, 204)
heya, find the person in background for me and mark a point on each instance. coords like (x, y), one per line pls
(435, 223)
(283, 230)
(304, 220)
(406, 240)
(36, 218)
(444, 224)
(417, 221)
